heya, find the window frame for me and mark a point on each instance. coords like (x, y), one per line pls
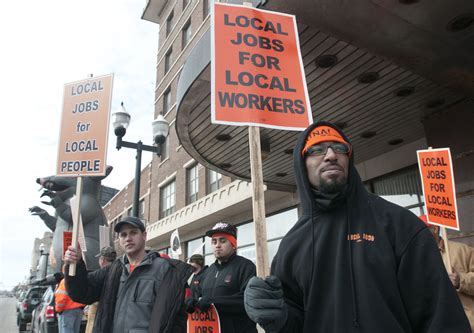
(167, 101)
(169, 23)
(186, 34)
(210, 184)
(167, 61)
(192, 183)
(169, 210)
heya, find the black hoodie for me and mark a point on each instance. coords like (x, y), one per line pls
(362, 264)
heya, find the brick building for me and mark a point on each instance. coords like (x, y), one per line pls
(381, 91)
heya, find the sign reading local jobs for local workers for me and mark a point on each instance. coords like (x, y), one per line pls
(84, 127)
(257, 72)
(438, 187)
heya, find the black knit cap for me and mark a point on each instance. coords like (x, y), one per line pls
(222, 227)
(198, 259)
(133, 221)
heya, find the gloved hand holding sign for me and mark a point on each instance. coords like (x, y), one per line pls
(264, 303)
(204, 303)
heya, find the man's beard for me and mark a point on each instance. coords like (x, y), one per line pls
(333, 186)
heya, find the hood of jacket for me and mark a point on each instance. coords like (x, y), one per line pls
(305, 190)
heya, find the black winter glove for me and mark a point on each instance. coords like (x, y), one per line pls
(204, 303)
(264, 303)
(190, 304)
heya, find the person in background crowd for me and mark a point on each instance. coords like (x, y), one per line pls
(197, 261)
(140, 292)
(107, 256)
(224, 282)
(462, 276)
(69, 312)
(353, 262)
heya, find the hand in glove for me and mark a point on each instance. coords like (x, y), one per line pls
(264, 303)
(190, 304)
(204, 303)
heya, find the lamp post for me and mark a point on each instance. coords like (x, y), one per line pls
(120, 121)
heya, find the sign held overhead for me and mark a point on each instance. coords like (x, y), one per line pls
(438, 187)
(257, 72)
(84, 127)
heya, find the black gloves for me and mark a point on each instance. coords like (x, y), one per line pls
(264, 303)
(190, 304)
(204, 303)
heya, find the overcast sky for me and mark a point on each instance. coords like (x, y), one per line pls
(46, 44)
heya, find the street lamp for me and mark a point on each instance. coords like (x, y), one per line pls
(120, 121)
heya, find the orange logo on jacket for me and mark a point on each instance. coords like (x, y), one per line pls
(360, 237)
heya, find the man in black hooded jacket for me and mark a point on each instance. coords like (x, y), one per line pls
(353, 262)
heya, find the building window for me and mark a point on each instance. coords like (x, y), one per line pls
(277, 226)
(165, 148)
(169, 24)
(192, 184)
(186, 34)
(195, 246)
(167, 101)
(168, 199)
(402, 188)
(141, 209)
(185, 3)
(206, 7)
(214, 181)
(129, 211)
(166, 251)
(168, 60)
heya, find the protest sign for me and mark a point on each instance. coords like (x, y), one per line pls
(438, 187)
(204, 322)
(82, 148)
(257, 71)
(67, 240)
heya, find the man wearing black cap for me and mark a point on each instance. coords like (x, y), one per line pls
(353, 262)
(225, 281)
(139, 292)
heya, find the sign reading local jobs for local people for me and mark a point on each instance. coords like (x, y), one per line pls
(84, 127)
(257, 71)
(438, 187)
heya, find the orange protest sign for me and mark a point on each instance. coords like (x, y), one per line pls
(204, 322)
(82, 145)
(257, 71)
(438, 187)
(67, 240)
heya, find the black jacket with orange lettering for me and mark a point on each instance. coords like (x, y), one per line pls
(358, 263)
(224, 285)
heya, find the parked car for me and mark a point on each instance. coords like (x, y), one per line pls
(20, 299)
(44, 317)
(29, 303)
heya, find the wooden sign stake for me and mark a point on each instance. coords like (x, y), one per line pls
(75, 223)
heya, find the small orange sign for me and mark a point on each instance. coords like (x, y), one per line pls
(67, 240)
(257, 71)
(204, 322)
(84, 127)
(438, 187)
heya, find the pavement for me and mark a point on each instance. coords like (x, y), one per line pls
(8, 315)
